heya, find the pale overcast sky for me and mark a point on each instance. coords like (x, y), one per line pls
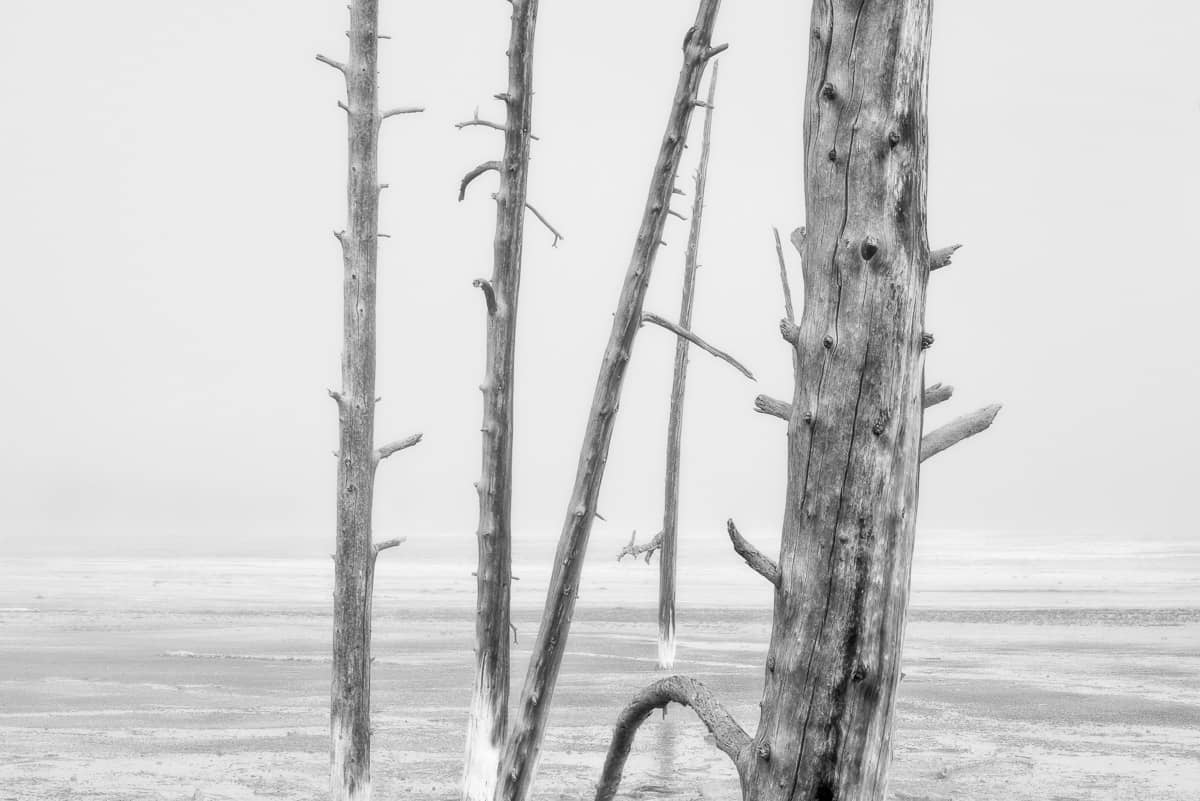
(170, 173)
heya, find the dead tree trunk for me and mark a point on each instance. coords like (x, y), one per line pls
(525, 740)
(667, 560)
(854, 424)
(855, 428)
(489, 702)
(354, 560)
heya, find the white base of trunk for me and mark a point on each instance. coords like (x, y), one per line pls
(666, 651)
(339, 788)
(482, 761)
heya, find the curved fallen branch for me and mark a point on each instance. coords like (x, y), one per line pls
(698, 342)
(759, 562)
(956, 431)
(729, 736)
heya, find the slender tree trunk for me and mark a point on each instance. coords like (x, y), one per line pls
(855, 429)
(354, 560)
(489, 703)
(524, 743)
(668, 559)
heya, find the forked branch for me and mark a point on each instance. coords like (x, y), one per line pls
(545, 222)
(647, 317)
(759, 562)
(647, 548)
(729, 736)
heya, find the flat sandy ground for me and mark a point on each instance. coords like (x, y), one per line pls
(156, 680)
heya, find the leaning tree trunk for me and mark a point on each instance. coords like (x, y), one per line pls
(489, 702)
(854, 433)
(354, 560)
(523, 745)
(668, 559)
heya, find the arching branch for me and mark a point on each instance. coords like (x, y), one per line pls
(698, 342)
(729, 736)
(759, 562)
(487, 166)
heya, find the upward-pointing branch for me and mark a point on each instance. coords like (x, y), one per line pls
(957, 430)
(759, 562)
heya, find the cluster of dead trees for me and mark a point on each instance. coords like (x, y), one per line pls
(854, 421)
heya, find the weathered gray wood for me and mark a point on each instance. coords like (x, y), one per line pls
(354, 559)
(853, 435)
(727, 734)
(645, 549)
(704, 345)
(935, 394)
(528, 729)
(758, 561)
(488, 716)
(942, 257)
(765, 404)
(667, 560)
(957, 430)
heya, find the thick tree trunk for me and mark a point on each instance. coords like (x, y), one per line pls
(668, 560)
(355, 557)
(524, 743)
(489, 702)
(855, 428)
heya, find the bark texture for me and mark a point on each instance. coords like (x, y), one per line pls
(350, 699)
(667, 561)
(524, 742)
(489, 702)
(855, 425)
(728, 735)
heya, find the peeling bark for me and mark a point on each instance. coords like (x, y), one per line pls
(855, 424)
(525, 739)
(489, 703)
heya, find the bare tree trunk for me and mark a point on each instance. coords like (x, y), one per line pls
(525, 740)
(855, 428)
(354, 560)
(667, 561)
(489, 703)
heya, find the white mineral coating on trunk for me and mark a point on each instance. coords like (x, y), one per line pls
(666, 649)
(483, 752)
(352, 786)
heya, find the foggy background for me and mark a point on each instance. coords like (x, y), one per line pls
(171, 301)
